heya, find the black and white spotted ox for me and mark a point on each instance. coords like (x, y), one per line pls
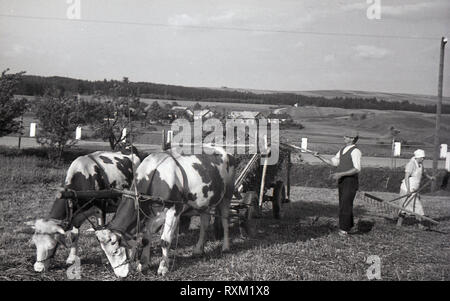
(197, 183)
(96, 171)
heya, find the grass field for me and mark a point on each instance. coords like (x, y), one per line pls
(397, 97)
(303, 245)
(219, 106)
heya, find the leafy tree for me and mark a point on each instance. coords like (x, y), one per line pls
(10, 108)
(114, 111)
(197, 107)
(156, 112)
(154, 109)
(59, 117)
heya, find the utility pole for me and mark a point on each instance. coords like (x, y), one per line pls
(20, 130)
(438, 113)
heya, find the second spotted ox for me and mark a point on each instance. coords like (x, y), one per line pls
(185, 182)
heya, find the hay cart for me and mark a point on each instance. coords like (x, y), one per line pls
(254, 180)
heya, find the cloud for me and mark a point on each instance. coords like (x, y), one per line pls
(19, 49)
(299, 44)
(16, 50)
(184, 20)
(286, 16)
(354, 6)
(370, 52)
(407, 9)
(411, 8)
(199, 20)
(222, 18)
(329, 58)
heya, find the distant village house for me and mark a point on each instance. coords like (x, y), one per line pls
(247, 117)
(200, 114)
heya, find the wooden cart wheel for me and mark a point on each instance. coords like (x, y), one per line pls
(248, 216)
(279, 195)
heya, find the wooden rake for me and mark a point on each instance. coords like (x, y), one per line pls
(388, 206)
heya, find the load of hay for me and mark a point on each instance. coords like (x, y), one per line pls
(275, 172)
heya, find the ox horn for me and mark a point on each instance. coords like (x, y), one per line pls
(102, 236)
(113, 238)
(32, 224)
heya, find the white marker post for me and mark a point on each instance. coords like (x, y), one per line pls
(397, 149)
(78, 133)
(443, 151)
(169, 137)
(32, 129)
(304, 144)
(447, 161)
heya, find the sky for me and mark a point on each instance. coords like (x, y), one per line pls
(285, 45)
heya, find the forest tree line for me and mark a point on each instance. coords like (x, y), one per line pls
(38, 85)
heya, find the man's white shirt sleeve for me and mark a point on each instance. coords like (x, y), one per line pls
(356, 159)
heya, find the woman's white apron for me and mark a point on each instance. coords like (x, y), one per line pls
(412, 202)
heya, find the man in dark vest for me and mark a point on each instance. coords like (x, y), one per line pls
(348, 162)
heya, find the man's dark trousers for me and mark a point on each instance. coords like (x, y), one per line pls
(347, 186)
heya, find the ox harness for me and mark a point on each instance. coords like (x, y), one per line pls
(70, 214)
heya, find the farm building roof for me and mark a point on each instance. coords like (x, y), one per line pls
(178, 108)
(201, 113)
(245, 114)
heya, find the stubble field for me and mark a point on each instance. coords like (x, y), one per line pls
(303, 245)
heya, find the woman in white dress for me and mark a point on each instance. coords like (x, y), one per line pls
(413, 175)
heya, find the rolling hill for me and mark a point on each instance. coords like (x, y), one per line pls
(393, 97)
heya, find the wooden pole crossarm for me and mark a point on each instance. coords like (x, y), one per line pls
(88, 194)
(110, 194)
(146, 197)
